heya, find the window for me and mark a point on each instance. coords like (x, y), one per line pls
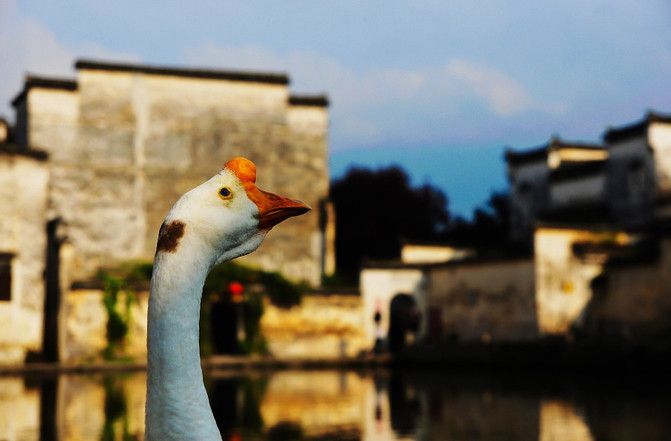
(5, 277)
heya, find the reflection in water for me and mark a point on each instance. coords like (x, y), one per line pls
(347, 405)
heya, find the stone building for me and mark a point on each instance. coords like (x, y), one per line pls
(123, 143)
(24, 176)
(550, 178)
(596, 220)
(601, 220)
(620, 181)
(639, 169)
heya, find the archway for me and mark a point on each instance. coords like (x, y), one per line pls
(404, 321)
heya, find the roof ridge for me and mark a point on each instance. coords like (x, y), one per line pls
(190, 72)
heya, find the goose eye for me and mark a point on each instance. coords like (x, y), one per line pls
(225, 193)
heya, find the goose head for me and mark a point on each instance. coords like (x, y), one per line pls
(228, 215)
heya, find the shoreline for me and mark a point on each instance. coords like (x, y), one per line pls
(208, 364)
(546, 356)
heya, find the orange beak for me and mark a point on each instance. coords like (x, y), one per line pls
(273, 209)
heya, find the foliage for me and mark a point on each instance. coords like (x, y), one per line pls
(377, 209)
(253, 311)
(258, 283)
(118, 280)
(489, 228)
(117, 323)
(116, 411)
(279, 290)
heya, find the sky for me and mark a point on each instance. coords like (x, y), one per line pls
(437, 87)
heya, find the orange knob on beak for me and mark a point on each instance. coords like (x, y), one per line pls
(273, 209)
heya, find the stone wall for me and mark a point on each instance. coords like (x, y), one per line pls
(23, 198)
(529, 196)
(579, 191)
(633, 302)
(83, 328)
(483, 301)
(631, 181)
(563, 280)
(125, 144)
(322, 326)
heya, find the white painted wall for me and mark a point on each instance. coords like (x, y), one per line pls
(23, 198)
(562, 280)
(379, 285)
(411, 253)
(659, 138)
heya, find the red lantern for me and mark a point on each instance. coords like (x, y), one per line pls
(237, 290)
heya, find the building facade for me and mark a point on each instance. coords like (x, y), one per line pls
(95, 163)
(619, 182)
(596, 220)
(24, 177)
(125, 141)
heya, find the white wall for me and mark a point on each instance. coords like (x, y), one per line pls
(411, 253)
(659, 138)
(563, 281)
(23, 198)
(379, 285)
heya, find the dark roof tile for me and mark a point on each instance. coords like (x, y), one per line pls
(32, 81)
(309, 100)
(231, 75)
(638, 128)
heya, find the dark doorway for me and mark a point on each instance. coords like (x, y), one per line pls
(224, 321)
(52, 291)
(404, 319)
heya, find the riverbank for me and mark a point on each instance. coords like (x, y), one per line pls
(211, 363)
(545, 355)
(539, 355)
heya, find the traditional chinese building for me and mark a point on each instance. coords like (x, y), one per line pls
(94, 163)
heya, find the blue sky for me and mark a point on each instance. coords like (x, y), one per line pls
(438, 87)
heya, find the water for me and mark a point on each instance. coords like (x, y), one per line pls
(350, 405)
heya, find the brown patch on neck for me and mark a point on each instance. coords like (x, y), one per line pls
(169, 236)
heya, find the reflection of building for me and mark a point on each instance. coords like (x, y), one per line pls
(123, 143)
(596, 217)
(396, 405)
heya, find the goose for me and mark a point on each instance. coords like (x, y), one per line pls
(225, 217)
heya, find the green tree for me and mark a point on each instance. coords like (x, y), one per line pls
(377, 209)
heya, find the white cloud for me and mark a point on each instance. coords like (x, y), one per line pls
(29, 46)
(374, 105)
(503, 94)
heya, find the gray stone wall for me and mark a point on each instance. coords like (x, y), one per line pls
(529, 197)
(322, 326)
(487, 301)
(633, 302)
(631, 182)
(83, 329)
(126, 145)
